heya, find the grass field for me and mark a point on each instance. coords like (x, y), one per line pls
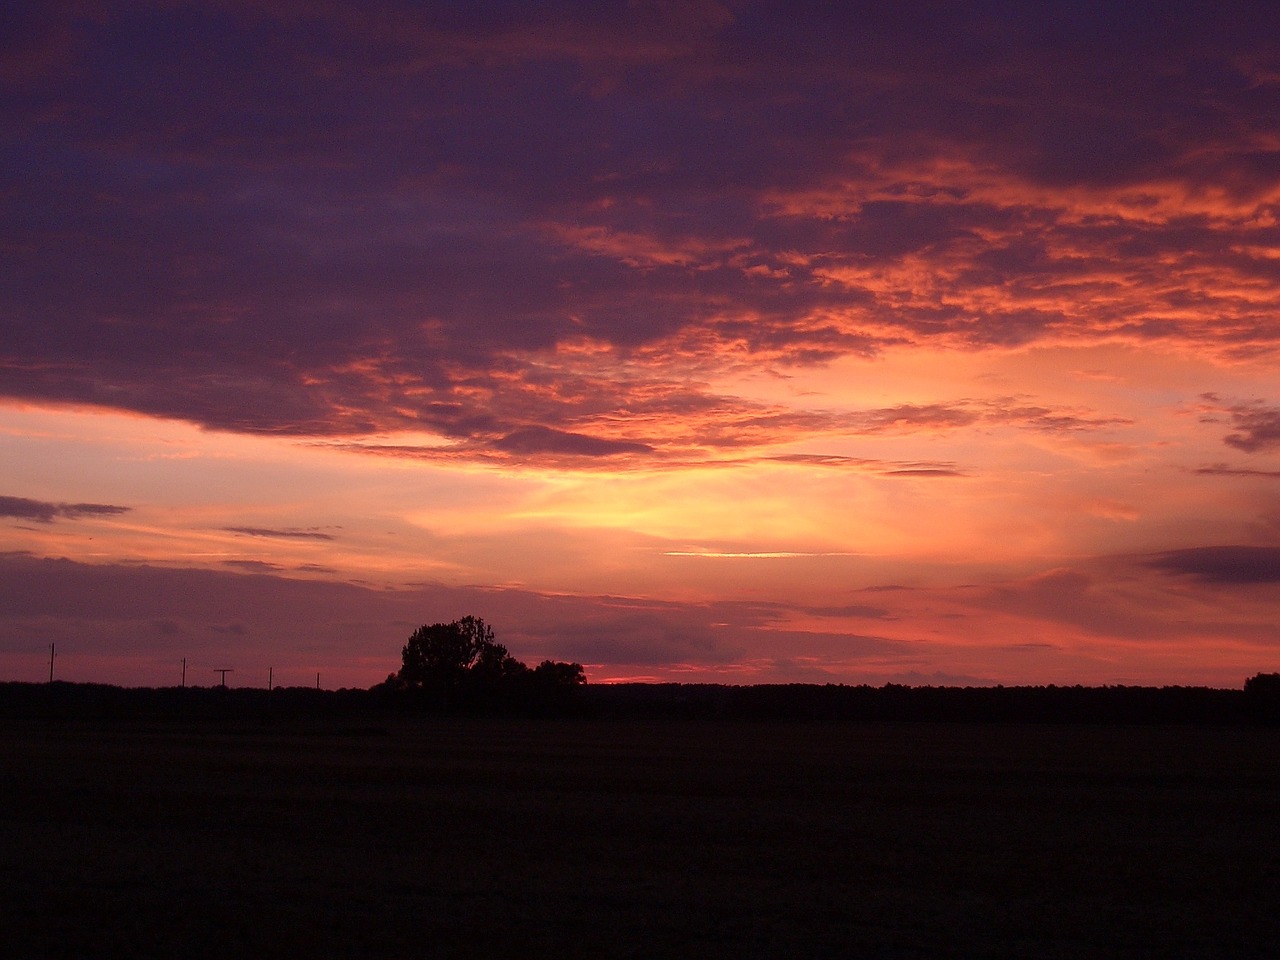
(630, 839)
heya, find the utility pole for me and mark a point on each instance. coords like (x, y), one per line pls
(51, 646)
(270, 672)
(317, 680)
(184, 673)
(224, 671)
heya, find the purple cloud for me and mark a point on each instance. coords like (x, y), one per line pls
(887, 468)
(319, 226)
(1224, 564)
(44, 512)
(1223, 470)
(1258, 428)
(539, 440)
(287, 533)
(253, 566)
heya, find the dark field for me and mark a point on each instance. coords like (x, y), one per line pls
(639, 839)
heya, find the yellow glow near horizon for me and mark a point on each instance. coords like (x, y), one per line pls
(186, 486)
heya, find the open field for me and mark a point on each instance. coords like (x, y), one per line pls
(638, 839)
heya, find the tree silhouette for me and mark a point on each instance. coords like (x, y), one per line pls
(454, 664)
(553, 688)
(459, 666)
(554, 674)
(1262, 697)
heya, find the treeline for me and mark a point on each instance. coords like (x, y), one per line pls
(447, 669)
(1258, 702)
(61, 700)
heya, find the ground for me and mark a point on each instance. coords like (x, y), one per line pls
(584, 838)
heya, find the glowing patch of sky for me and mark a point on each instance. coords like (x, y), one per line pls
(772, 345)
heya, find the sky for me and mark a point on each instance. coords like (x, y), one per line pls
(705, 342)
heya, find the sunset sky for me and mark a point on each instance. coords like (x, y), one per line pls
(741, 342)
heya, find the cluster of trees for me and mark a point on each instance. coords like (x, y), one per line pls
(459, 667)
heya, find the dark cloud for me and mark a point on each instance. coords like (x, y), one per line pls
(1058, 421)
(76, 511)
(1257, 423)
(924, 472)
(1225, 564)
(44, 512)
(1258, 429)
(328, 224)
(909, 416)
(25, 509)
(958, 414)
(253, 566)
(539, 440)
(288, 533)
(887, 468)
(851, 610)
(1223, 470)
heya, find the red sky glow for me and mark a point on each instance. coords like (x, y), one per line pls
(732, 342)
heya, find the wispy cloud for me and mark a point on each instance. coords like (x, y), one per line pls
(1232, 564)
(42, 511)
(1223, 470)
(539, 440)
(887, 468)
(754, 555)
(287, 533)
(704, 429)
(253, 566)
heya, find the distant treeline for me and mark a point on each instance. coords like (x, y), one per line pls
(1258, 702)
(99, 701)
(59, 700)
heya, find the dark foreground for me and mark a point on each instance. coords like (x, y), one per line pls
(638, 839)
